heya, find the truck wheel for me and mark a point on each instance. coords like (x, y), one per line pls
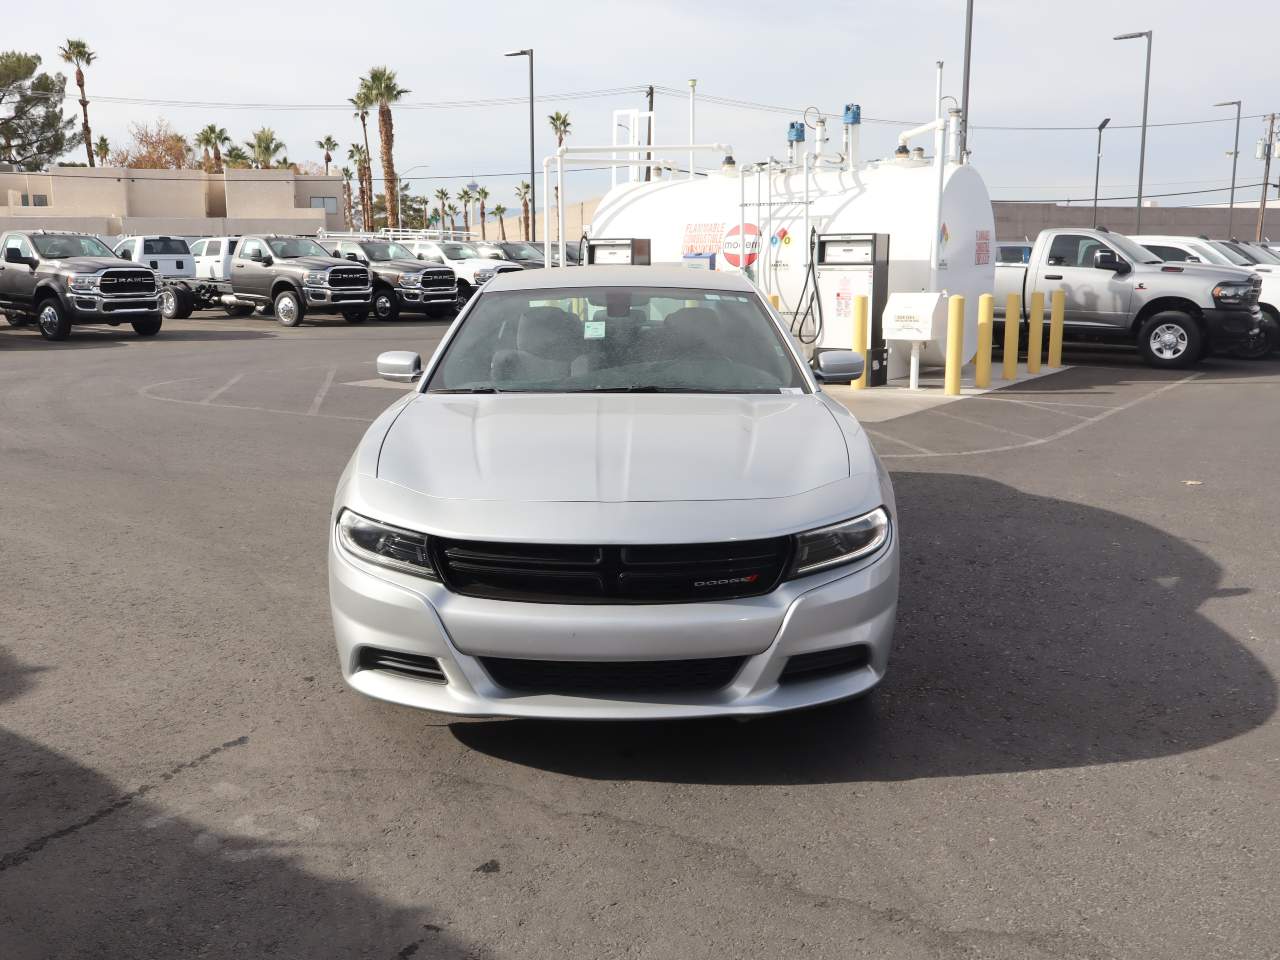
(465, 292)
(186, 303)
(356, 315)
(386, 306)
(1170, 339)
(147, 327)
(237, 310)
(176, 303)
(53, 320)
(1266, 340)
(288, 308)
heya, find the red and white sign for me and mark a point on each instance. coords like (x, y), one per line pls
(732, 246)
(702, 238)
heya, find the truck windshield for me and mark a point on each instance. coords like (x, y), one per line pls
(522, 251)
(1251, 255)
(1237, 258)
(380, 252)
(1132, 250)
(290, 247)
(59, 246)
(459, 251)
(617, 340)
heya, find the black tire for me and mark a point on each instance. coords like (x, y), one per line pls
(237, 310)
(176, 303)
(1171, 340)
(148, 327)
(288, 308)
(356, 315)
(1263, 343)
(186, 303)
(465, 292)
(52, 319)
(386, 305)
(17, 319)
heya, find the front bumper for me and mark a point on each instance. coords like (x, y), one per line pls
(380, 608)
(95, 308)
(411, 297)
(337, 298)
(1226, 326)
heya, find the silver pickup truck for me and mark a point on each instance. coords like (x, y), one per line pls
(1118, 291)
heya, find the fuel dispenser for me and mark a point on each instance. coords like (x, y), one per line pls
(847, 265)
(617, 251)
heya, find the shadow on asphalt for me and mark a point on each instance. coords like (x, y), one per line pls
(1032, 634)
(139, 883)
(95, 338)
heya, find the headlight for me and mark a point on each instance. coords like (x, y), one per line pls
(840, 543)
(1232, 292)
(411, 279)
(83, 282)
(484, 275)
(320, 279)
(385, 545)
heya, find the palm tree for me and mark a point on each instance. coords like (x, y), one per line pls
(522, 194)
(481, 196)
(560, 125)
(452, 211)
(362, 103)
(212, 138)
(263, 147)
(236, 158)
(102, 149)
(466, 198)
(382, 89)
(346, 198)
(442, 197)
(78, 53)
(328, 145)
(360, 157)
(499, 211)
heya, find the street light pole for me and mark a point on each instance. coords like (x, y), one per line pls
(1268, 148)
(1146, 96)
(1235, 156)
(400, 193)
(533, 189)
(1097, 171)
(963, 146)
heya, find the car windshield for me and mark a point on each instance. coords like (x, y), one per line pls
(1230, 253)
(1132, 250)
(379, 252)
(58, 246)
(290, 247)
(617, 340)
(522, 251)
(459, 251)
(1259, 254)
(490, 251)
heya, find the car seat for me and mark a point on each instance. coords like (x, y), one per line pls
(549, 346)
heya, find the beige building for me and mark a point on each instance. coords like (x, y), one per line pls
(112, 201)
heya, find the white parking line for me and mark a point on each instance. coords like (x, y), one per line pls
(324, 388)
(223, 389)
(986, 426)
(902, 443)
(1049, 407)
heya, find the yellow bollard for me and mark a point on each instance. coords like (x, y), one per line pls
(860, 339)
(982, 363)
(1012, 322)
(1057, 310)
(1035, 332)
(955, 346)
(775, 300)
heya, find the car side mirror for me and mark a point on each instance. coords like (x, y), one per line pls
(421, 257)
(1194, 260)
(267, 260)
(400, 366)
(1107, 260)
(13, 255)
(838, 366)
(352, 257)
(124, 254)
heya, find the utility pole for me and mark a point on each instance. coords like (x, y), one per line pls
(1235, 157)
(1268, 147)
(963, 146)
(648, 171)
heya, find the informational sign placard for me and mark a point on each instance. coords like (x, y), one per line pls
(918, 317)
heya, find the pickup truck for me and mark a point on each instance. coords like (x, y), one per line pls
(291, 277)
(171, 258)
(1118, 291)
(61, 279)
(472, 269)
(401, 282)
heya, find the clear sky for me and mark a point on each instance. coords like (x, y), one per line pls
(1035, 63)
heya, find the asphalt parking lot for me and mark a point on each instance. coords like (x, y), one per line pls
(1075, 755)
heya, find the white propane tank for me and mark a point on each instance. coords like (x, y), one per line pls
(691, 218)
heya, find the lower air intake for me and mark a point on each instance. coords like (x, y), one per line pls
(612, 677)
(405, 664)
(826, 663)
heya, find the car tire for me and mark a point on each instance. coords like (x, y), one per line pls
(288, 308)
(52, 319)
(1265, 343)
(147, 327)
(1171, 340)
(465, 292)
(358, 315)
(237, 310)
(386, 305)
(176, 303)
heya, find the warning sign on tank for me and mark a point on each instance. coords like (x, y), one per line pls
(982, 248)
(702, 238)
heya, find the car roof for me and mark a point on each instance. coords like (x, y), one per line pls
(620, 276)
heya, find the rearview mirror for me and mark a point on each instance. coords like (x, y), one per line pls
(838, 366)
(400, 366)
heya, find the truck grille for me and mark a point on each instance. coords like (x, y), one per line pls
(116, 283)
(617, 676)
(669, 573)
(1255, 289)
(438, 280)
(348, 277)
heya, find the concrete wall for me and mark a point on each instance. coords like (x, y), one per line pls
(1015, 221)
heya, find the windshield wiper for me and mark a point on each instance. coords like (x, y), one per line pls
(468, 390)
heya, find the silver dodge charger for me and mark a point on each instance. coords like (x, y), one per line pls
(615, 493)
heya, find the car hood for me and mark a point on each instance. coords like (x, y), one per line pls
(405, 266)
(317, 263)
(95, 264)
(485, 263)
(607, 448)
(1209, 271)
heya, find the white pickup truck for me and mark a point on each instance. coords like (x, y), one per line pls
(171, 258)
(1118, 291)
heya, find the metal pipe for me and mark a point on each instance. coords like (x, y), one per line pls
(805, 238)
(726, 148)
(953, 135)
(559, 209)
(546, 187)
(964, 83)
(742, 218)
(935, 248)
(693, 88)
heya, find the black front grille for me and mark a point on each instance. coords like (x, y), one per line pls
(616, 677)
(407, 664)
(826, 663)
(439, 279)
(667, 573)
(1255, 289)
(115, 283)
(348, 277)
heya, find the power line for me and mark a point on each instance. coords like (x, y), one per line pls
(63, 173)
(1178, 193)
